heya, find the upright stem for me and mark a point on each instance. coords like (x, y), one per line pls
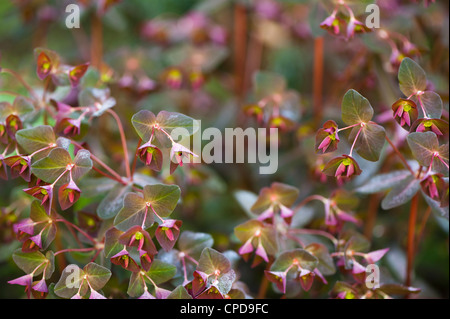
(240, 47)
(133, 166)
(96, 41)
(411, 238)
(124, 141)
(318, 78)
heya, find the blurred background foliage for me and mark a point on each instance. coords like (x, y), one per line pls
(278, 36)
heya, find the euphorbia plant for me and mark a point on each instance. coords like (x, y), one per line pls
(102, 199)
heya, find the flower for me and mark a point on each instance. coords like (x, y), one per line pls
(439, 127)
(68, 194)
(124, 259)
(151, 156)
(177, 153)
(327, 137)
(331, 24)
(167, 233)
(355, 26)
(44, 194)
(173, 78)
(20, 166)
(434, 186)
(138, 237)
(69, 126)
(342, 168)
(405, 113)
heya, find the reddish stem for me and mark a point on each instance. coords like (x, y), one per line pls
(124, 141)
(411, 237)
(133, 166)
(318, 78)
(74, 249)
(400, 155)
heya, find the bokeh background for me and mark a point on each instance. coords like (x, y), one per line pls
(139, 41)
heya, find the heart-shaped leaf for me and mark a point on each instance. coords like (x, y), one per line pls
(112, 245)
(36, 138)
(71, 281)
(370, 141)
(412, 77)
(431, 103)
(383, 182)
(97, 275)
(159, 198)
(192, 243)
(277, 193)
(112, 203)
(161, 271)
(57, 161)
(402, 193)
(355, 108)
(28, 262)
(423, 146)
(179, 293)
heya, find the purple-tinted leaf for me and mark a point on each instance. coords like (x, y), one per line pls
(370, 141)
(355, 108)
(412, 77)
(36, 138)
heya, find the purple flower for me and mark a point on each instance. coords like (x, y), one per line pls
(177, 153)
(20, 166)
(331, 24)
(44, 194)
(342, 168)
(151, 156)
(327, 137)
(405, 113)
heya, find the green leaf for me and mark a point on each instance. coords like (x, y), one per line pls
(112, 203)
(28, 262)
(436, 206)
(144, 122)
(192, 243)
(100, 98)
(326, 263)
(133, 212)
(267, 234)
(211, 260)
(395, 289)
(172, 120)
(158, 198)
(432, 103)
(55, 163)
(216, 264)
(267, 83)
(36, 138)
(383, 182)
(112, 245)
(355, 108)
(423, 145)
(72, 278)
(305, 260)
(163, 198)
(402, 193)
(97, 275)
(277, 193)
(179, 293)
(370, 141)
(51, 167)
(412, 77)
(136, 285)
(161, 272)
